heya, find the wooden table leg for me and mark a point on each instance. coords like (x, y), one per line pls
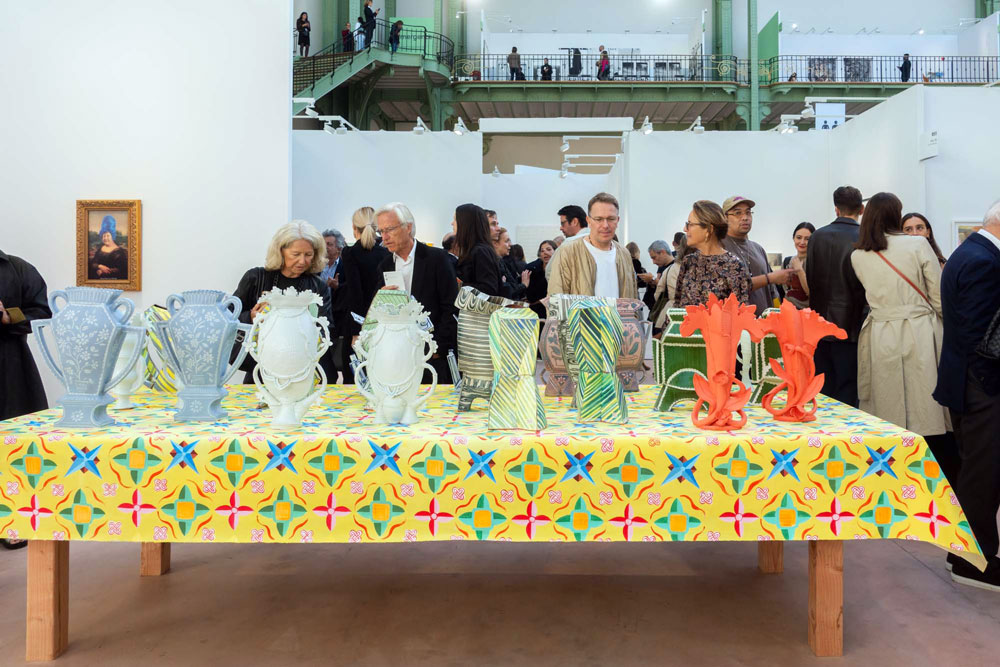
(826, 597)
(155, 559)
(771, 557)
(48, 599)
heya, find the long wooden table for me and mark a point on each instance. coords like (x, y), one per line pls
(339, 478)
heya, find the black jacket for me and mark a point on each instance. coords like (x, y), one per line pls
(834, 290)
(970, 299)
(369, 18)
(362, 271)
(511, 285)
(479, 269)
(434, 285)
(25, 297)
(538, 287)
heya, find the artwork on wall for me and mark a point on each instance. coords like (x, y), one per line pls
(109, 243)
(961, 229)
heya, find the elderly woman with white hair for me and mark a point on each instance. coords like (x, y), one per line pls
(295, 258)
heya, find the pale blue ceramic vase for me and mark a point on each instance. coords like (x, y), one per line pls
(197, 340)
(88, 330)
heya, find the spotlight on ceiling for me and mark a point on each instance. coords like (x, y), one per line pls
(565, 147)
(496, 171)
(808, 112)
(419, 128)
(460, 127)
(311, 112)
(563, 173)
(696, 126)
(647, 127)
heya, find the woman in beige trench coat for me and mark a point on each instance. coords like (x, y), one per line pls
(900, 340)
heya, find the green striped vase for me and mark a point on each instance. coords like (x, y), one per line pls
(514, 402)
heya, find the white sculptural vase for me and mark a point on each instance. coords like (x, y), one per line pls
(287, 341)
(395, 362)
(135, 377)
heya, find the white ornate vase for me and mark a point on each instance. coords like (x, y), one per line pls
(135, 377)
(287, 340)
(197, 340)
(88, 330)
(395, 361)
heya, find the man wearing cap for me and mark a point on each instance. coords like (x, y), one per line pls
(739, 215)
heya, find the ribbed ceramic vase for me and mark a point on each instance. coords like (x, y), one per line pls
(514, 400)
(474, 360)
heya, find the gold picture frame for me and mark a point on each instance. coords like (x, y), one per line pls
(114, 262)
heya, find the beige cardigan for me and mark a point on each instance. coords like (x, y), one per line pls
(574, 271)
(900, 341)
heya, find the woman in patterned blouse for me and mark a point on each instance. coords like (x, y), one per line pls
(711, 270)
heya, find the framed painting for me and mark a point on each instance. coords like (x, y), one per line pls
(109, 243)
(961, 229)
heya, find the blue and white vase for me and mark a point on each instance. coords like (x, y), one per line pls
(197, 339)
(88, 330)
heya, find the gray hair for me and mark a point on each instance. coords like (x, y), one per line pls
(288, 234)
(659, 246)
(992, 216)
(402, 213)
(341, 241)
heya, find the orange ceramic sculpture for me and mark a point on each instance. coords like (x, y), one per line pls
(797, 332)
(721, 324)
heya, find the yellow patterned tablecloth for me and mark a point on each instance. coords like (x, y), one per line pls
(339, 478)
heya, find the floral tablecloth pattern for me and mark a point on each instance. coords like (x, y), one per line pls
(340, 478)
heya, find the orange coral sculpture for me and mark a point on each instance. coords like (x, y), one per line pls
(797, 332)
(721, 324)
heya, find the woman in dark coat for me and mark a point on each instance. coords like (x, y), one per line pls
(23, 298)
(478, 263)
(303, 27)
(361, 266)
(533, 278)
(295, 258)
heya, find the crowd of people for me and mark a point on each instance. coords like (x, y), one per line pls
(916, 323)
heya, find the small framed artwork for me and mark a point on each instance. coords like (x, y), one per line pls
(109, 243)
(774, 260)
(961, 229)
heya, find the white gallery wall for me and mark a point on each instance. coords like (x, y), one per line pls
(432, 173)
(198, 129)
(981, 39)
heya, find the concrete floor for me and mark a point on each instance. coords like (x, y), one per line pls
(501, 604)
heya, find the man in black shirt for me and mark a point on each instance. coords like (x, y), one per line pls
(904, 69)
(546, 71)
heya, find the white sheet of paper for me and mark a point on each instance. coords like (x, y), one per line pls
(394, 278)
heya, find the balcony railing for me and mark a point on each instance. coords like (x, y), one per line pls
(877, 69)
(572, 66)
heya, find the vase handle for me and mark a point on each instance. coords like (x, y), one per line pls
(173, 303)
(138, 331)
(53, 295)
(370, 397)
(241, 355)
(124, 315)
(234, 305)
(430, 391)
(37, 327)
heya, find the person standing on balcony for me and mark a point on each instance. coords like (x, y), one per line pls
(604, 67)
(514, 64)
(303, 27)
(359, 35)
(546, 71)
(397, 28)
(347, 36)
(370, 16)
(904, 69)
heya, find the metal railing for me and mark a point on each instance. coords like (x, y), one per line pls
(410, 39)
(571, 65)
(877, 69)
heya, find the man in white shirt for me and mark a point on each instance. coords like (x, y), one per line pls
(595, 264)
(427, 275)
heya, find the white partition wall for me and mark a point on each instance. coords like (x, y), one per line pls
(432, 173)
(195, 126)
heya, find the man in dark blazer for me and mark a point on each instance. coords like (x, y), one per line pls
(836, 293)
(370, 16)
(969, 386)
(428, 277)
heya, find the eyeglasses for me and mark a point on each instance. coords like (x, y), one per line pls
(739, 214)
(689, 225)
(610, 220)
(388, 230)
